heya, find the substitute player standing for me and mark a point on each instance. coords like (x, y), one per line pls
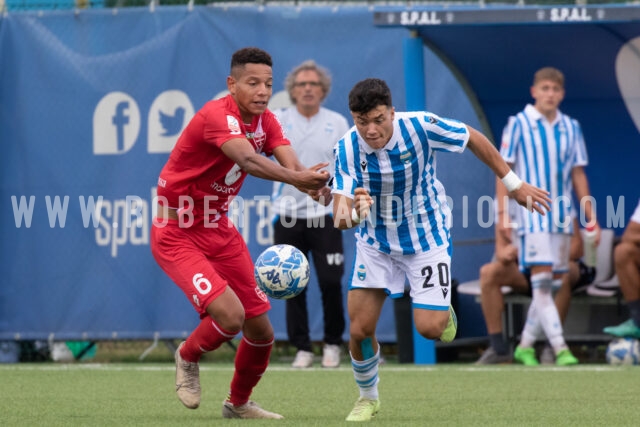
(386, 174)
(197, 245)
(547, 146)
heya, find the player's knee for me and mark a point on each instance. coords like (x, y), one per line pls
(488, 276)
(625, 253)
(359, 332)
(433, 328)
(231, 321)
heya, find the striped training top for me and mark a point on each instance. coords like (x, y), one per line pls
(543, 154)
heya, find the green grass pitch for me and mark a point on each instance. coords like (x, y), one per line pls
(142, 394)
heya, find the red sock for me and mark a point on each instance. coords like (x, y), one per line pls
(206, 337)
(252, 359)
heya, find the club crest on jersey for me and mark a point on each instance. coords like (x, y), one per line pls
(405, 157)
(234, 126)
(363, 165)
(261, 294)
(362, 272)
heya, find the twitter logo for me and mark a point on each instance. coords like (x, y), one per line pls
(169, 114)
(172, 124)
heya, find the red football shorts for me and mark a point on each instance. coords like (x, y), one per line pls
(204, 261)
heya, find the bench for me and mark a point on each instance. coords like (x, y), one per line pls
(591, 309)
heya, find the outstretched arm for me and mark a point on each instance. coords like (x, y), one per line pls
(242, 152)
(533, 198)
(287, 157)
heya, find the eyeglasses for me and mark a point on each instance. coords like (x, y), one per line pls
(303, 84)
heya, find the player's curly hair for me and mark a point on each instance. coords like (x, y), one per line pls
(250, 55)
(368, 94)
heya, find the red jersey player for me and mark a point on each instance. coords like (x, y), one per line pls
(198, 246)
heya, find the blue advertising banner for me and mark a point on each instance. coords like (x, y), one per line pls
(91, 103)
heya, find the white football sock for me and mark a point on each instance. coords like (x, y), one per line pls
(547, 311)
(366, 375)
(532, 328)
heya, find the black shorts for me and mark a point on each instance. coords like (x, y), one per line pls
(322, 240)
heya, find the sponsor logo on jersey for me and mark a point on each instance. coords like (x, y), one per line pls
(328, 128)
(222, 188)
(234, 126)
(233, 175)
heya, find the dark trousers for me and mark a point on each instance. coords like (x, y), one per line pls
(324, 242)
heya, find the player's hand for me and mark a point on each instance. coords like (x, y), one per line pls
(322, 196)
(362, 202)
(532, 198)
(313, 178)
(507, 254)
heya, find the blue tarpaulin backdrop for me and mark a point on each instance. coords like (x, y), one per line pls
(92, 102)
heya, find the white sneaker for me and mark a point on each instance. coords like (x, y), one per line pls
(331, 356)
(304, 359)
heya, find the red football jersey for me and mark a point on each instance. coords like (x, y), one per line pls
(197, 167)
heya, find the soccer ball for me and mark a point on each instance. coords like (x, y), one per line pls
(623, 351)
(282, 271)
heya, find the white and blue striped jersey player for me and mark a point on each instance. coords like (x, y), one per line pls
(544, 153)
(410, 213)
(406, 233)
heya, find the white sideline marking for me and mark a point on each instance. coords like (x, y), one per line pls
(229, 367)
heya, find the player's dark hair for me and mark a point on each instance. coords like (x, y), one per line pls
(250, 55)
(368, 94)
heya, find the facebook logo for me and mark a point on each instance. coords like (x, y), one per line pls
(120, 119)
(116, 124)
